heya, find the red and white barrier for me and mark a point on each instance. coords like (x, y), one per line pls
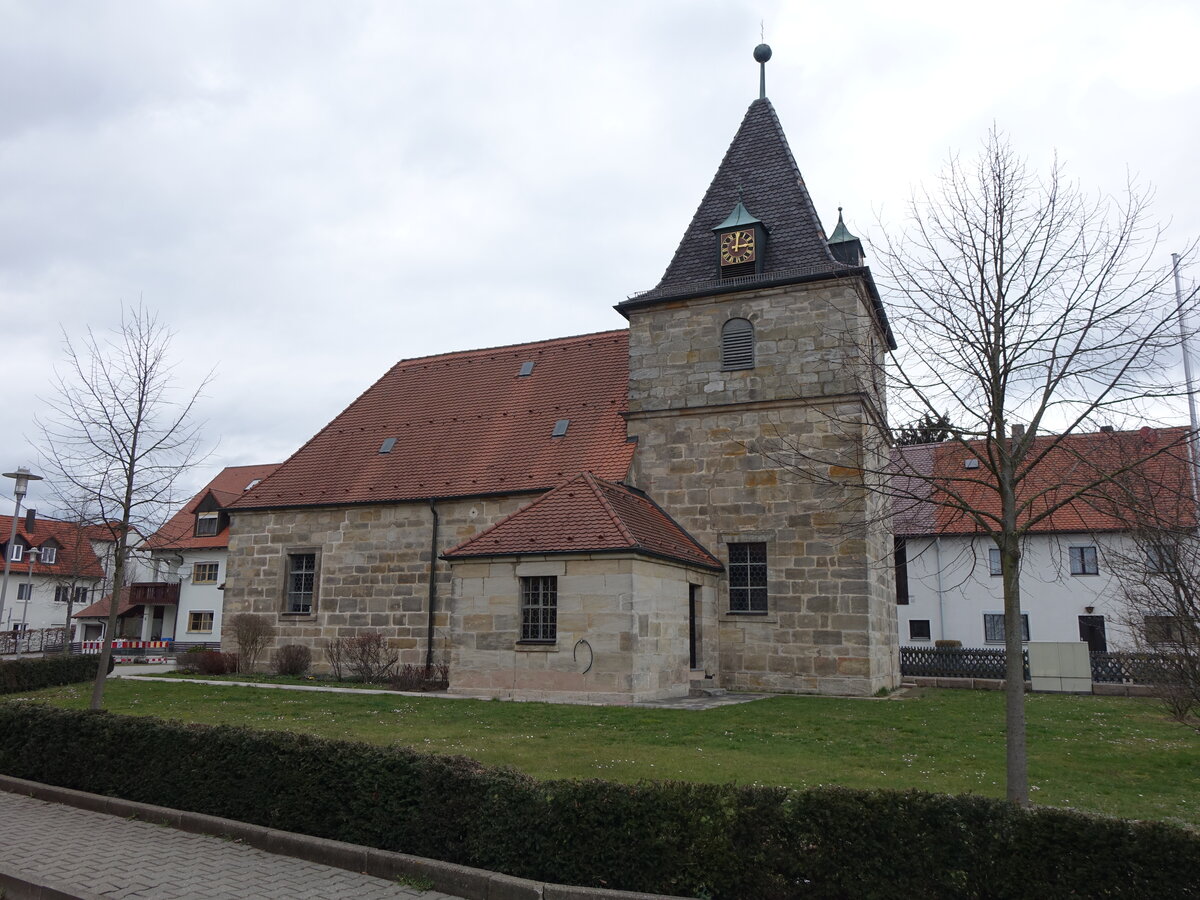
(125, 644)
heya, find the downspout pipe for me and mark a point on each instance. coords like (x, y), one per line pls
(937, 561)
(433, 545)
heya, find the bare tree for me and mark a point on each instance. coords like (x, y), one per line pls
(118, 433)
(1025, 313)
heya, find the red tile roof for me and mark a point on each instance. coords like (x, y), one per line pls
(467, 424)
(75, 555)
(179, 533)
(588, 515)
(100, 609)
(1140, 473)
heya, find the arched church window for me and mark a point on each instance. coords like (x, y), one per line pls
(737, 345)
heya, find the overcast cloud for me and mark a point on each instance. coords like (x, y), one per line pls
(308, 192)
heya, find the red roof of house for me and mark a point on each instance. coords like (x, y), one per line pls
(468, 424)
(588, 515)
(75, 556)
(1121, 479)
(100, 609)
(179, 533)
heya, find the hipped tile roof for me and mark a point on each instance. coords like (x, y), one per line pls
(1122, 479)
(467, 424)
(588, 515)
(101, 607)
(759, 169)
(179, 532)
(75, 555)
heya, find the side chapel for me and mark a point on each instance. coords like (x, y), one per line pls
(602, 517)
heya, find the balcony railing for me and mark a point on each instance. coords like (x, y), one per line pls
(153, 593)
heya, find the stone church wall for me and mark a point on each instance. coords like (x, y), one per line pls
(723, 453)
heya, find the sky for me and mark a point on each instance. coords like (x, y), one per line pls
(307, 192)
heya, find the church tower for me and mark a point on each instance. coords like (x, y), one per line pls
(754, 399)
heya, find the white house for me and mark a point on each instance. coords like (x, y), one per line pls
(948, 583)
(51, 563)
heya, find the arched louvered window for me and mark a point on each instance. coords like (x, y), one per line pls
(737, 345)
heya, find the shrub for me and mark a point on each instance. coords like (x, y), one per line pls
(947, 642)
(292, 659)
(252, 634)
(214, 662)
(724, 841)
(367, 657)
(35, 674)
(420, 678)
(188, 662)
(335, 652)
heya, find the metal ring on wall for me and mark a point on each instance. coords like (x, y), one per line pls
(591, 655)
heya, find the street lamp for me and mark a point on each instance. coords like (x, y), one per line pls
(34, 554)
(23, 476)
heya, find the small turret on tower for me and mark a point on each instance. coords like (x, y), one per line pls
(844, 246)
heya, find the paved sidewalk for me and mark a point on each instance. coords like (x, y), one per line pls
(102, 855)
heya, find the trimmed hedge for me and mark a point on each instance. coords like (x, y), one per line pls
(35, 674)
(696, 840)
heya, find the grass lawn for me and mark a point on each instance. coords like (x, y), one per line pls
(1110, 755)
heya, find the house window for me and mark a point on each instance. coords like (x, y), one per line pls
(62, 594)
(748, 578)
(1083, 561)
(17, 552)
(49, 556)
(737, 345)
(918, 629)
(207, 524)
(301, 582)
(1158, 560)
(205, 573)
(995, 564)
(539, 608)
(993, 627)
(81, 594)
(200, 621)
(901, 561)
(24, 591)
(1162, 630)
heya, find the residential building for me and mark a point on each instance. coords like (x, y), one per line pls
(1074, 562)
(604, 517)
(66, 571)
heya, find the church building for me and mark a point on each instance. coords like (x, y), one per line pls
(620, 516)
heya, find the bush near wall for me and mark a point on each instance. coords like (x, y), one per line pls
(35, 674)
(696, 840)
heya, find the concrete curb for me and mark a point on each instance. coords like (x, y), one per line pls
(449, 878)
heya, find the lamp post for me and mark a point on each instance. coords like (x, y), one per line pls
(34, 555)
(23, 476)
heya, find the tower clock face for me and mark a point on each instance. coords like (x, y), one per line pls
(737, 247)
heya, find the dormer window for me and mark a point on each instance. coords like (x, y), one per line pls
(49, 556)
(208, 524)
(737, 345)
(17, 552)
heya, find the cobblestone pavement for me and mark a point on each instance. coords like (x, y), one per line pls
(113, 857)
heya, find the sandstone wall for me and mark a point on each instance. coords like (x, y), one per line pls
(729, 456)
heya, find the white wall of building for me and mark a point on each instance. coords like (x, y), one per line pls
(951, 588)
(200, 594)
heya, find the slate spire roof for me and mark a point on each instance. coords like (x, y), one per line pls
(759, 171)
(587, 514)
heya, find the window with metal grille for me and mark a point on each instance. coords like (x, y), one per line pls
(207, 524)
(200, 621)
(748, 578)
(205, 573)
(301, 582)
(737, 345)
(1083, 561)
(539, 608)
(993, 627)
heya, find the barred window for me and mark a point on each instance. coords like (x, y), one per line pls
(539, 608)
(205, 573)
(301, 582)
(748, 578)
(1083, 561)
(737, 345)
(993, 627)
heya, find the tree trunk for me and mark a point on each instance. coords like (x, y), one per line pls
(110, 630)
(1016, 758)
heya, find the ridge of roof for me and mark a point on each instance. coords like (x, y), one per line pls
(507, 348)
(547, 525)
(758, 169)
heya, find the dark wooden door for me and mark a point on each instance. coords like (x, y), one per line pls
(1091, 629)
